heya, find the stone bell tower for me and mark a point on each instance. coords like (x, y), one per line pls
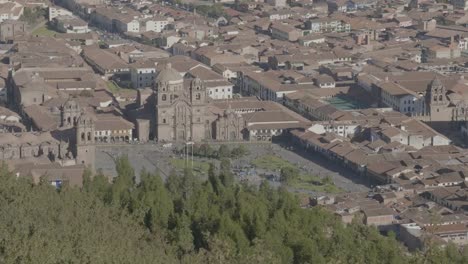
(436, 101)
(85, 141)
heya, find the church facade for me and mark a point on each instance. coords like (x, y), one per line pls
(183, 111)
(443, 105)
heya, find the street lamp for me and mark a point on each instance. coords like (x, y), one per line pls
(186, 151)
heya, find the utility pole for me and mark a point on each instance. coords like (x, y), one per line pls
(186, 146)
(186, 156)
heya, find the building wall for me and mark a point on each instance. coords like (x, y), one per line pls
(220, 92)
(460, 4)
(408, 104)
(277, 3)
(181, 112)
(8, 15)
(57, 11)
(292, 35)
(440, 141)
(3, 94)
(10, 30)
(32, 149)
(343, 130)
(142, 130)
(142, 77)
(110, 136)
(156, 25)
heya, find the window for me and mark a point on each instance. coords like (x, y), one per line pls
(163, 97)
(164, 120)
(440, 97)
(198, 96)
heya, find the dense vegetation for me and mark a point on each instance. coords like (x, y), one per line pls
(223, 151)
(184, 220)
(33, 15)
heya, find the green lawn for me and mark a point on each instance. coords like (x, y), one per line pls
(314, 183)
(199, 168)
(115, 88)
(44, 31)
(270, 162)
(303, 181)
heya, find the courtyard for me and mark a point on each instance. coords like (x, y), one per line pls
(344, 102)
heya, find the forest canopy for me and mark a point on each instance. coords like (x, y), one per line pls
(182, 220)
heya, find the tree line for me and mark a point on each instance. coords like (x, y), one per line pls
(182, 220)
(207, 151)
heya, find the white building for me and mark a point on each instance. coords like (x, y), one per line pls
(110, 128)
(142, 74)
(277, 3)
(156, 24)
(128, 25)
(344, 129)
(10, 11)
(401, 99)
(325, 81)
(219, 89)
(55, 11)
(216, 85)
(70, 24)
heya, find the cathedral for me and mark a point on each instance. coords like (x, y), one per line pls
(183, 111)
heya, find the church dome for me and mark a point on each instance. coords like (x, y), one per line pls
(169, 75)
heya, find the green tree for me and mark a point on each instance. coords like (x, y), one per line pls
(182, 236)
(205, 150)
(224, 152)
(184, 220)
(289, 174)
(239, 151)
(123, 183)
(327, 180)
(226, 176)
(155, 201)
